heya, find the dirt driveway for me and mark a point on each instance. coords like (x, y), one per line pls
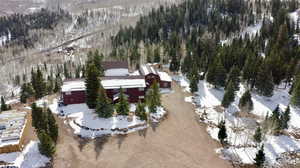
(178, 142)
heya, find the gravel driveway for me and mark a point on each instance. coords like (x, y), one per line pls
(178, 142)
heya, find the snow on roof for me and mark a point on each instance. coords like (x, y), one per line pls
(164, 76)
(76, 85)
(116, 72)
(123, 83)
(107, 83)
(147, 69)
(13, 123)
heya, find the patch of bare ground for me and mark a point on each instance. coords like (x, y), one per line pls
(177, 142)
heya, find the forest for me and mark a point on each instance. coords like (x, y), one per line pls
(18, 26)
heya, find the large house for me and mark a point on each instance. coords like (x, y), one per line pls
(116, 76)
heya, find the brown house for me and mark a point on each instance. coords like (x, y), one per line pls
(151, 75)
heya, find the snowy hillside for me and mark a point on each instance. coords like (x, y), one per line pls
(240, 129)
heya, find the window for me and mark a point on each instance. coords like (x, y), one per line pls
(141, 89)
(141, 97)
(68, 93)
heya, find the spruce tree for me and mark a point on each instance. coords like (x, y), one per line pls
(220, 74)
(39, 84)
(222, 134)
(246, 103)
(260, 157)
(275, 118)
(122, 107)
(234, 77)
(46, 145)
(264, 83)
(104, 108)
(257, 135)
(194, 85)
(153, 97)
(157, 55)
(92, 84)
(295, 99)
(97, 59)
(285, 118)
(4, 106)
(228, 96)
(141, 112)
(52, 126)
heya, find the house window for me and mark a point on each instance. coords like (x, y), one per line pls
(68, 93)
(141, 89)
(141, 97)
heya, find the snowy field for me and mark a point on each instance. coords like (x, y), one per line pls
(86, 123)
(240, 130)
(30, 157)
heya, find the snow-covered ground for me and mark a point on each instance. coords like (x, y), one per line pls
(30, 157)
(240, 130)
(86, 123)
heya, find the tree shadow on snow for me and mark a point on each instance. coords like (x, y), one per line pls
(99, 143)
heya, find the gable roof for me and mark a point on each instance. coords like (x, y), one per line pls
(115, 65)
(147, 69)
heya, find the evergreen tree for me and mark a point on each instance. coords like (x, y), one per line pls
(157, 54)
(222, 134)
(122, 107)
(97, 59)
(194, 85)
(228, 96)
(234, 77)
(4, 106)
(264, 83)
(141, 112)
(260, 157)
(52, 126)
(295, 99)
(39, 84)
(246, 103)
(104, 108)
(153, 97)
(26, 92)
(285, 118)
(216, 74)
(275, 118)
(92, 84)
(257, 135)
(46, 145)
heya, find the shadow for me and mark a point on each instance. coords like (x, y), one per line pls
(99, 143)
(82, 142)
(143, 132)
(154, 125)
(121, 139)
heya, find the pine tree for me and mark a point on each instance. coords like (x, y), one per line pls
(285, 118)
(246, 103)
(216, 74)
(104, 108)
(222, 134)
(26, 92)
(276, 123)
(92, 84)
(52, 126)
(153, 97)
(295, 99)
(122, 107)
(4, 106)
(264, 83)
(260, 157)
(157, 54)
(46, 145)
(234, 77)
(257, 135)
(194, 85)
(39, 84)
(141, 112)
(228, 96)
(97, 59)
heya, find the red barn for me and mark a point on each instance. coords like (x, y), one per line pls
(73, 91)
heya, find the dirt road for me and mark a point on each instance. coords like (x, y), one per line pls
(178, 142)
